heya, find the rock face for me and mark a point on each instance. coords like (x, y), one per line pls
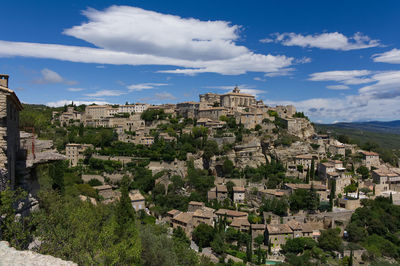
(11, 256)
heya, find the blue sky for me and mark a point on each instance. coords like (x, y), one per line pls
(334, 60)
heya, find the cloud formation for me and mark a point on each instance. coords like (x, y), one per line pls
(67, 102)
(391, 57)
(145, 86)
(349, 77)
(152, 38)
(337, 87)
(103, 93)
(332, 41)
(379, 100)
(49, 76)
(75, 89)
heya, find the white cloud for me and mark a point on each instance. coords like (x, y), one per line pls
(333, 41)
(144, 86)
(260, 79)
(153, 38)
(267, 40)
(391, 57)
(67, 102)
(75, 89)
(103, 93)
(280, 72)
(338, 87)
(379, 100)
(49, 76)
(164, 96)
(348, 77)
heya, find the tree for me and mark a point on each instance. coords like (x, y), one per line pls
(227, 168)
(229, 187)
(312, 170)
(218, 244)
(203, 235)
(363, 171)
(330, 240)
(298, 245)
(332, 194)
(180, 235)
(259, 240)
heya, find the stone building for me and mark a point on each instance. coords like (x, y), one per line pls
(213, 113)
(337, 149)
(137, 200)
(74, 152)
(10, 106)
(210, 100)
(285, 111)
(236, 99)
(69, 115)
(370, 159)
(238, 194)
(220, 193)
(188, 109)
(277, 235)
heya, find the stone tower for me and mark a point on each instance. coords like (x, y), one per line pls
(10, 106)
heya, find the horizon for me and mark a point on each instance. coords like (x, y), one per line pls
(334, 66)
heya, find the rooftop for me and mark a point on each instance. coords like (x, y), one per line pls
(279, 229)
(231, 213)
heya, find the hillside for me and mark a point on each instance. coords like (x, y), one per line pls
(385, 134)
(392, 127)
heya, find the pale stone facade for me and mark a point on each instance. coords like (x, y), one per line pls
(10, 106)
(74, 152)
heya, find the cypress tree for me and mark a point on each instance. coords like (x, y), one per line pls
(312, 171)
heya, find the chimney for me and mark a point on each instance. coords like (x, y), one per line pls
(4, 80)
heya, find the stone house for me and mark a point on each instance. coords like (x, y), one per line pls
(137, 200)
(304, 160)
(337, 149)
(238, 194)
(188, 109)
(9, 133)
(240, 224)
(210, 99)
(320, 189)
(230, 214)
(213, 113)
(277, 235)
(195, 205)
(385, 176)
(370, 159)
(203, 215)
(75, 152)
(69, 115)
(183, 220)
(171, 214)
(220, 193)
(257, 230)
(329, 167)
(285, 111)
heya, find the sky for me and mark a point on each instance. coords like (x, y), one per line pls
(334, 60)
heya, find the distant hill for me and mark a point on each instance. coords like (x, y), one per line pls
(385, 134)
(392, 127)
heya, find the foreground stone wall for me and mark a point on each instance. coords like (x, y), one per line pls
(11, 256)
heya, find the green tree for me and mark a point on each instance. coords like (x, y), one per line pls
(298, 245)
(203, 235)
(330, 240)
(14, 229)
(363, 171)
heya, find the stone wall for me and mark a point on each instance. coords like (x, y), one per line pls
(11, 256)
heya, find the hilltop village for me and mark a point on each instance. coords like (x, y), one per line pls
(228, 161)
